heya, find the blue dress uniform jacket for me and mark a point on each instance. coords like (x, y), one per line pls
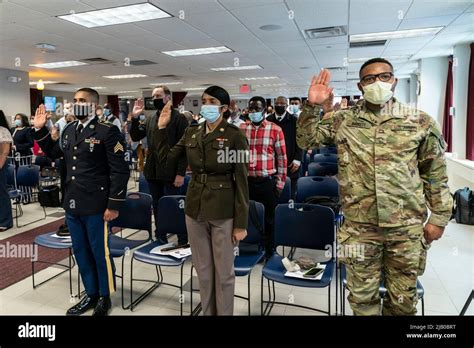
(96, 171)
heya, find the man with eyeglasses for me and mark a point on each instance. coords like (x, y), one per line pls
(391, 172)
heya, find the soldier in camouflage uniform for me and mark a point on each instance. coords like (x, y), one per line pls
(391, 169)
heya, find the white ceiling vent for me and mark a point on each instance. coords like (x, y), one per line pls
(319, 33)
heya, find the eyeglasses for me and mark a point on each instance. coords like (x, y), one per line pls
(384, 77)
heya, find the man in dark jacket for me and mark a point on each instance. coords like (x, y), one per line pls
(162, 180)
(294, 154)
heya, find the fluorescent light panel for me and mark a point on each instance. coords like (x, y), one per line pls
(116, 15)
(33, 83)
(398, 34)
(130, 76)
(193, 89)
(391, 59)
(166, 83)
(233, 68)
(258, 78)
(57, 65)
(197, 51)
(121, 92)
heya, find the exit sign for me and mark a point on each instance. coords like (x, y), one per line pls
(244, 89)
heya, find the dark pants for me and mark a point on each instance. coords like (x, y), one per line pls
(6, 219)
(90, 242)
(158, 189)
(263, 190)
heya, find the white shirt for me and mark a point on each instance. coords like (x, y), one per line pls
(5, 136)
(236, 121)
(85, 123)
(280, 117)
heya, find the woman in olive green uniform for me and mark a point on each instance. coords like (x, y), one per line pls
(217, 198)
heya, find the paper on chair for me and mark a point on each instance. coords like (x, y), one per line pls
(177, 253)
(299, 274)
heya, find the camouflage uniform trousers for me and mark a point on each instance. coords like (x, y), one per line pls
(392, 255)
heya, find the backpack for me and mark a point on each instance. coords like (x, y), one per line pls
(463, 208)
(327, 201)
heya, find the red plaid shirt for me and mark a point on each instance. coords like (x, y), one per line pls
(267, 150)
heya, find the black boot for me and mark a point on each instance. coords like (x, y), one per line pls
(103, 306)
(83, 306)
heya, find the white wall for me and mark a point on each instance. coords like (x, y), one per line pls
(461, 55)
(14, 97)
(69, 96)
(402, 91)
(433, 76)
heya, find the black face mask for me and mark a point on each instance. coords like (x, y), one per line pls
(159, 104)
(280, 109)
(82, 111)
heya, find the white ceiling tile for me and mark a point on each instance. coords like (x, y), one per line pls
(431, 8)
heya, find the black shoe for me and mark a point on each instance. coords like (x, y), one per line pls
(83, 306)
(162, 240)
(103, 306)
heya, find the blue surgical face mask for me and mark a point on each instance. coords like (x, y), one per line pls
(18, 123)
(106, 112)
(210, 112)
(142, 117)
(294, 109)
(256, 116)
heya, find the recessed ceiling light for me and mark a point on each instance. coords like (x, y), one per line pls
(270, 27)
(166, 83)
(127, 97)
(130, 76)
(233, 68)
(258, 78)
(397, 34)
(44, 82)
(197, 51)
(98, 87)
(57, 65)
(116, 15)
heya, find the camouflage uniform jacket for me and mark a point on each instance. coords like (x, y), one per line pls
(391, 164)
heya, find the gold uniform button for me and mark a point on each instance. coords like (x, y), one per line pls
(73, 168)
(74, 157)
(73, 178)
(75, 147)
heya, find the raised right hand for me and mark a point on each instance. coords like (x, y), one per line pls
(138, 107)
(319, 91)
(41, 117)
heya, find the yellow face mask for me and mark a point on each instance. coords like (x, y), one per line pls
(378, 93)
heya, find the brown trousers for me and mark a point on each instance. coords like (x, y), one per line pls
(213, 258)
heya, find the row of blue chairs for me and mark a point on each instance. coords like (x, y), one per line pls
(21, 181)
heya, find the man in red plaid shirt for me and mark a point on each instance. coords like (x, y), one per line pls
(267, 170)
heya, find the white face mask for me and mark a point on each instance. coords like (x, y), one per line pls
(378, 93)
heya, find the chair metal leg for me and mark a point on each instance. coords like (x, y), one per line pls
(248, 290)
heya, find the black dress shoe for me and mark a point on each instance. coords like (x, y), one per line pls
(103, 306)
(83, 306)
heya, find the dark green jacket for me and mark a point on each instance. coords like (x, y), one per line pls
(219, 161)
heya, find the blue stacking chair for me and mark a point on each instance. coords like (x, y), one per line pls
(47, 240)
(28, 177)
(171, 219)
(325, 158)
(322, 169)
(135, 213)
(251, 249)
(143, 184)
(328, 149)
(305, 226)
(382, 291)
(13, 192)
(286, 193)
(316, 186)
